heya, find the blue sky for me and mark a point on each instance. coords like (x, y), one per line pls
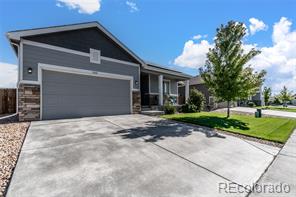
(163, 31)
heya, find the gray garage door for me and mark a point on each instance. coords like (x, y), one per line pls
(67, 95)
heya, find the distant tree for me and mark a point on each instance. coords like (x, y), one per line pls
(285, 95)
(225, 72)
(266, 95)
(277, 100)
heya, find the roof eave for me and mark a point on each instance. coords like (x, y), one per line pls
(183, 76)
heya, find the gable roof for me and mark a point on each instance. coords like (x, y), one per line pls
(17, 35)
(196, 80)
(158, 68)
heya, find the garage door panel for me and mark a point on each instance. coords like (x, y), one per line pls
(67, 89)
(66, 95)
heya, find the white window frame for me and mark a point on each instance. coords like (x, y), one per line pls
(169, 82)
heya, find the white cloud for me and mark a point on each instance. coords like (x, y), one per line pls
(8, 75)
(279, 60)
(83, 6)
(256, 25)
(198, 36)
(194, 54)
(132, 6)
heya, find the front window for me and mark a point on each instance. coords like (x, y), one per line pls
(166, 87)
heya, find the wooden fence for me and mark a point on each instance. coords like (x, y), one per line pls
(7, 101)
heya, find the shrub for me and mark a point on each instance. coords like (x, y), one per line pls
(196, 98)
(251, 104)
(169, 109)
(189, 108)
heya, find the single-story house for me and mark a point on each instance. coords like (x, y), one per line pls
(83, 70)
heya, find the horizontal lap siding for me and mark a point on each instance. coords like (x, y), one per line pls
(83, 40)
(34, 55)
(174, 86)
(67, 95)
(154, 83)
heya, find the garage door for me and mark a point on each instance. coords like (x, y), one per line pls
(66, 95)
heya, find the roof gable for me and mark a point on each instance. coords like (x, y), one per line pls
(86, 35)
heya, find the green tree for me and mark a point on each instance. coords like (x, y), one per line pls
(285, 95)
(266, 95)
(225, 72)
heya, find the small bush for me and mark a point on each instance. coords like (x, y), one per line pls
(169, 109)
(189, 108)
(196, 98)
(251, 104)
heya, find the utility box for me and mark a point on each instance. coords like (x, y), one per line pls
(258, 113)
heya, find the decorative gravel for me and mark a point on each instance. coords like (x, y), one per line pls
(12, 135)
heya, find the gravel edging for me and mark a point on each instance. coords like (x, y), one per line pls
(12, 135)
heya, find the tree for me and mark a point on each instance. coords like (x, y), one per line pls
(266, 95)
(285, 95)
(225, 72)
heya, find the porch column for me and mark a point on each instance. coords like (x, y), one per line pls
(186, 90)
(160, 90)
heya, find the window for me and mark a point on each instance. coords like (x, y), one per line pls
(95, 56)
(166, 87)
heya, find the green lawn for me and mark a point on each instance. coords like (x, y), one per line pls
(279, 108)
(268, 128)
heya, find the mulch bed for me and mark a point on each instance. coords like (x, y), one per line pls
(12, 135)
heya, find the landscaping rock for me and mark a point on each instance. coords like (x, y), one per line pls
(12, 135)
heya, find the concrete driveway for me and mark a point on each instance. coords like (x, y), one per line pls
(134, 155)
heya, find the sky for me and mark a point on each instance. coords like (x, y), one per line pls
(173, 33)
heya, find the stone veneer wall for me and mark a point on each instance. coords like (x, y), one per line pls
(136, 101)
(29, 102)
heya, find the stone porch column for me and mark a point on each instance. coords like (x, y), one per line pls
(186, 90)
(160, 90)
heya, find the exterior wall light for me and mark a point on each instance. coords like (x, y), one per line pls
(136, 82)
(30, 70)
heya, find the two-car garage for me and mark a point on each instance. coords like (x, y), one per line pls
(74, 95)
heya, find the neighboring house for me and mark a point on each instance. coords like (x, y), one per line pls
(293, 101)
(257, 99)
(83, 70)
(210, 102)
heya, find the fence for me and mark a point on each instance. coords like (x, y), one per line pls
(7, 101)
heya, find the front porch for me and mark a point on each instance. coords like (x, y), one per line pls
(159, 88)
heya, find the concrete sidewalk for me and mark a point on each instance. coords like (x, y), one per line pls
(265, 112)
(282, 170)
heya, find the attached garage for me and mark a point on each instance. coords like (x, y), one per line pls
(75, 95)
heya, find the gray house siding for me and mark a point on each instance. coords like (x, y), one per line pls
(174, 87)
(67, 95)
(83, 40)
(34, 55)
(153, 83)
